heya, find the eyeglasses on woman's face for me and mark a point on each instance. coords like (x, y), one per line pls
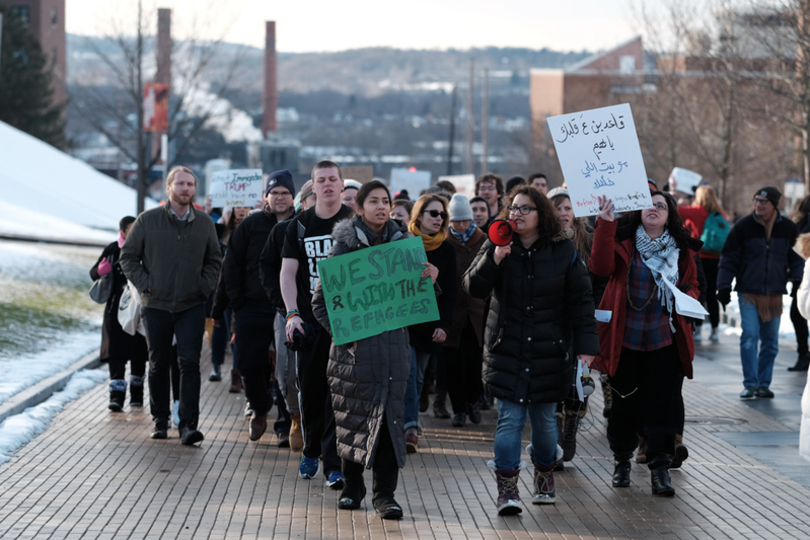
(436, 213)
(523, 210)
(661, 207)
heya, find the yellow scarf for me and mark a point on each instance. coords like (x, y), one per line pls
(431, 242)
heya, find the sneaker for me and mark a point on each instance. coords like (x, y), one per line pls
(335, 480)
(248, 410)
(764, 392)
(750, 392)
(176, 413)
(714, 337)
(308, 467)
(411, 443)
(216, 374)
(389, 510)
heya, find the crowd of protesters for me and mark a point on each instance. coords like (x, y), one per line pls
(517, 320)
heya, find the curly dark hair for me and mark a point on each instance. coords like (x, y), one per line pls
(674, 222)
(548, 224)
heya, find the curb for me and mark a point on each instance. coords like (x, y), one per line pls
(36, 394)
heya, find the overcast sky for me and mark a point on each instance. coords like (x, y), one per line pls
(333, 25)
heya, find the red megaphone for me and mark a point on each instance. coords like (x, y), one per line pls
(501, 231)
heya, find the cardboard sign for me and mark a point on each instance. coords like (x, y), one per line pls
(361, 173)
(237, 187)
(413, 181)
(465, 184)
(376, 289)
(599, 155)
(685, 180)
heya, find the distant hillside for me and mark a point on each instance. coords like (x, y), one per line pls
(369, 72)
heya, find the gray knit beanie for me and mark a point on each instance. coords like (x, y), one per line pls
(460, 209)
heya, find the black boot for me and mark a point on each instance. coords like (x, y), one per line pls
(661, 483)
(440, 406)
(385, 484)
(621, 472)
(135, 391)
(354, 488)
(118, 393)
(802, 363)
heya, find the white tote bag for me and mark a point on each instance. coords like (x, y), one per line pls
(129, 310)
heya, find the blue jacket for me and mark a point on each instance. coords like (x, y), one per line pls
(760, 267)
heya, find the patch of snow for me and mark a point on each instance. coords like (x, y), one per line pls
(24, 222)
(21, 429)
(22, 372)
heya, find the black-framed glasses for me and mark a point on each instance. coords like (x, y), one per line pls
(662, 207)
(524, 210)
(759, 200)
(436, 213)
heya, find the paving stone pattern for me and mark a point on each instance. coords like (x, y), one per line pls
(95, 474)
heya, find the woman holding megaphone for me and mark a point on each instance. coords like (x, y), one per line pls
(541, 307)
(647, 347)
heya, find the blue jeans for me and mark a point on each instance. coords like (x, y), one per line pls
(511, 419)
(419, 364)
(757, 367)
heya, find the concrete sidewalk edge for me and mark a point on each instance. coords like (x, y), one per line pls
(36, 394)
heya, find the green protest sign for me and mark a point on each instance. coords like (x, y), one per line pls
(376, 289)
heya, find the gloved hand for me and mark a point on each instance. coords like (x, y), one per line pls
(724, 297)
(104, 267)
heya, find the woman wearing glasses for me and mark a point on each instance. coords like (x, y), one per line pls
(429, 221)
(647, 347)
(541, 307)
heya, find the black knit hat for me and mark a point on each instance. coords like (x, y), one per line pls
(770, 193)
(282, 178)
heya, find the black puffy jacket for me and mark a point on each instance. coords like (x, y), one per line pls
(541, 308)
(760, 267)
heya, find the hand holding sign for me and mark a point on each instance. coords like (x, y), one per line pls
(431, 271)
(606, 208)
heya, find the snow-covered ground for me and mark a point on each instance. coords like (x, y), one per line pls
(20, 429)
(47, 318)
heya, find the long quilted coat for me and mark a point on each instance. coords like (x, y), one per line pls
(370, 385)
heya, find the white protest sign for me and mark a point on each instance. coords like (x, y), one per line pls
(465, 184)
(236, 187)
(599, 155)
(413, 181)
(685, 180)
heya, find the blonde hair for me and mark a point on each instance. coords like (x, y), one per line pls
(706, 197)
(177, 170)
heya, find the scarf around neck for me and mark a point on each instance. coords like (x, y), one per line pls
(431, 242)
(661, 257)
(465, 236)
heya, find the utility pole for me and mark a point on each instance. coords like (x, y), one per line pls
(485, 123)
(468, 158)
(139, 88)
(1, 38)
(452, 130)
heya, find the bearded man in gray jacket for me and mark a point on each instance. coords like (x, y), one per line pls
(172, 257)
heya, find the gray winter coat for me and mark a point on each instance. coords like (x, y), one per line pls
(371, 384)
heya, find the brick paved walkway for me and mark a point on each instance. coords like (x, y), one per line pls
(94, 474)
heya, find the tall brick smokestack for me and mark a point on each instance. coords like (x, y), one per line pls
(164, 47)
(270, 91)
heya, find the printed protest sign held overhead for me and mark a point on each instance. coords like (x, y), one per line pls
(237, 187)
(599, 155)
(376, 289)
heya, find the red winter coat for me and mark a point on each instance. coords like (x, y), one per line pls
(611, 257)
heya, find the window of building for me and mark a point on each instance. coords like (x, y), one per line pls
(23, 13)
(54, 17)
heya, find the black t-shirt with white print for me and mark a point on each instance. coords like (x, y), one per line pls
(315, 246)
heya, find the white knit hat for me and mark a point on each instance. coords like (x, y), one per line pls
(460, 209)
(349, 183)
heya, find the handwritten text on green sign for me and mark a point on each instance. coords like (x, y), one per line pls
(376, 289)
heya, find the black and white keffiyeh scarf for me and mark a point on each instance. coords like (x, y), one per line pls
(661, 257)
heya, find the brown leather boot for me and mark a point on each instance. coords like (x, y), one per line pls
(236, 382)
(296, 436)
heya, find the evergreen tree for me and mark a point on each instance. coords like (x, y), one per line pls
(26, 90)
